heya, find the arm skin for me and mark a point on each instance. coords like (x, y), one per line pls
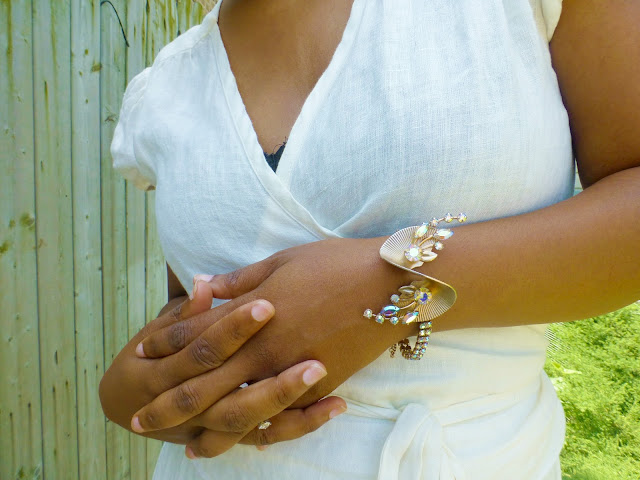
(578, 258)
(569, 261)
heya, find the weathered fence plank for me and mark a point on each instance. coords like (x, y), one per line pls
(20, 425)
(114, 235)
(52, 100)
(136, 20)
(85, 141)
(85, 111)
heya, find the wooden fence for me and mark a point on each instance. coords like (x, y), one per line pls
(78, 248)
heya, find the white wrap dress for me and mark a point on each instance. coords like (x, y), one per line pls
(426, 107)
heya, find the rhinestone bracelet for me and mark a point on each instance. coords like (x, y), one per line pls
(424, 299)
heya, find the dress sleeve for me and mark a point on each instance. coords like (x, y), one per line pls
(547, 15)
(123, 144)
(551, 10)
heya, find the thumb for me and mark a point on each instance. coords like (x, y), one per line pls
(199, 300)
(243, 280)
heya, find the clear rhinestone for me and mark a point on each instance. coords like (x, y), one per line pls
(413, 253)
(394, 320)
(448, 218)
(264, 425)
(438, 246)
(368, 313)
(444, 233)
(410, 318)
(423, 326)
(379, 318)
(434, 222)
(462, 218)
(395, 298)
(421, 231)
(428, 324)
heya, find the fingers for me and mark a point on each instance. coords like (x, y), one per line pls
(175, 337)
(210, 444)
(187, 389)
(198, 302)
(216, 344)
(287, 425)
(200, 298)
(292, 424)
(240, 412)
(244, 280)
(176, 333)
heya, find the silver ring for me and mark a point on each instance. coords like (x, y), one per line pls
(264, 425)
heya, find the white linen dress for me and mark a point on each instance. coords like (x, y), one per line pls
(426, 107)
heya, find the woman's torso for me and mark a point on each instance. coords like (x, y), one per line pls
(425, 107)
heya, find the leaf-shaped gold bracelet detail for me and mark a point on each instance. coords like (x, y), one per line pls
(424, 299)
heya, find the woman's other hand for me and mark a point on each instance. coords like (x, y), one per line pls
(236, 416)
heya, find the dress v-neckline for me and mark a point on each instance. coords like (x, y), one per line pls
(310, 104)
(276, 182)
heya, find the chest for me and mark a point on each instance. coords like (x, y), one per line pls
(278, 50)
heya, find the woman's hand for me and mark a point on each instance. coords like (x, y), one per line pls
(319, 291)
(235, 417)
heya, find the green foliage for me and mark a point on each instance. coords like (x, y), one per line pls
(595, 367)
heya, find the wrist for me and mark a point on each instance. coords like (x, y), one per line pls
(416, 301)
(387, 280)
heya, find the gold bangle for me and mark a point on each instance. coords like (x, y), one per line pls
(424, 299)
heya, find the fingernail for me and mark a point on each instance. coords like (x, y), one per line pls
(262, 448)
(135, 425)
(194, 290)
(260, 312)
(140, 351)
(312, 374)
(189, 453)
(337, 411)
(202, 278)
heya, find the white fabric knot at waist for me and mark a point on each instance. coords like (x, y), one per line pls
(415, 449)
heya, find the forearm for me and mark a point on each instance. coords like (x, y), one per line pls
(572, 260)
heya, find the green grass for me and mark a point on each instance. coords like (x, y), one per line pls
(595, 367)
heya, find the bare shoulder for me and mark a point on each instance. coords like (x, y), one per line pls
(596, 55)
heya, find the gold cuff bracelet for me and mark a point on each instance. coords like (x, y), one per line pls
(423, 299)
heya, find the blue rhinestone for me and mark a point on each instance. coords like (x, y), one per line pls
(390, 311)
